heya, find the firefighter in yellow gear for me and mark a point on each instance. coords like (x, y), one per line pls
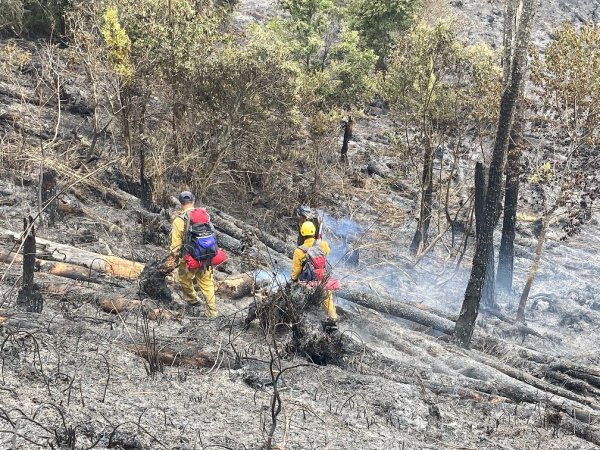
(203, 276)
(308, 231)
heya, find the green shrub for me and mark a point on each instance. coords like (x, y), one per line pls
(11, 17)
(40, 18)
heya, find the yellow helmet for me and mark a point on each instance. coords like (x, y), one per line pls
(308, 229)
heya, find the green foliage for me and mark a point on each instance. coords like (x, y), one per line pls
(35, 17)
(567, 80)
(434, 77)
(336, 67)
(379, 21)
(118, 44)
(11, 16)
(542, 175)
(46, 17)
(309, 21)
(250, 82)
(566, 83)
(167, 43)
(242, 107)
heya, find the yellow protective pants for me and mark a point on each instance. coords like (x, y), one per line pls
(328, 306)
(204, 279)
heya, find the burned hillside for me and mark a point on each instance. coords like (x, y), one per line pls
(106, 120)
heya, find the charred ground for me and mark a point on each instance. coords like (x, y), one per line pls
(79, 376)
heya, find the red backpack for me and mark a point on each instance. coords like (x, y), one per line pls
(315, 263)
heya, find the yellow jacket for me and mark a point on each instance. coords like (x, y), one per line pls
(300, 256)
(178, 228)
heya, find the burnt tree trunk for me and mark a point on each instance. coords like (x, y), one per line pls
(29, 298)
(487, 294)
(153, 281)
(504, 276)
(470, 307)
(47, 193)
(145, 185)
(422, 233)
(347, 136)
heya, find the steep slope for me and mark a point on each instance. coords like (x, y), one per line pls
(76, 376)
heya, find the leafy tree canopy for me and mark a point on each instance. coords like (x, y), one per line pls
(379, 21)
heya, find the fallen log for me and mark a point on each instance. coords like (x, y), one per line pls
(573, 384)
(413, 314)
(545, 363)
(580, 428)
(164, 314)
(112, 265)
(587, 374)
(229, 243)
(466, 394)
(530, 379)
(117, 305)
(241, 231)
(427, 316)
(187, 357)
(398, 309)
(69, 207)
(8, 201)
(484, 383)
(236, 287)
(59, 269)
(446, 315)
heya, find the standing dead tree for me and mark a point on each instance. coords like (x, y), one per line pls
(347, 136)
(29, 298)
(488, 292)
(512, 169)
(504, 277)
(422, 232)
(470, 308)
(47, 193)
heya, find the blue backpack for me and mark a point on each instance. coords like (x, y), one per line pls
(203, 242)
(200, 241)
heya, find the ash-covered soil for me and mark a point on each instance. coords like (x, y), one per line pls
(71, 379)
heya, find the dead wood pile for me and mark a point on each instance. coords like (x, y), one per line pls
(286, 312)
(53, 251)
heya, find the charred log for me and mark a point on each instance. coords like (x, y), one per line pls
(53, 251)
(153, 282)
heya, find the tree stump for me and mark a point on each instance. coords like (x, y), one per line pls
(47, 193)
(29, 298)
(289, 307)
(153, 281)
(286, 306)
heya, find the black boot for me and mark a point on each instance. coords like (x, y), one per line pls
(330, 325)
